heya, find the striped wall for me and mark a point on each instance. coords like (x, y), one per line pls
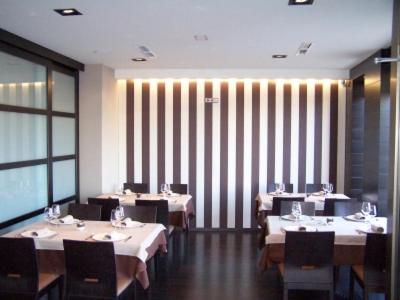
(261, 131)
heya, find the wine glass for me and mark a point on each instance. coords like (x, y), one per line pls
(120, 213)
(366, 209)
(277, 188)
(296, 210)
(114, 217)
(325, 187)
(330, 188)
(168, 188)
(48, 214)
(282, 188)
(164, 188)
(56, 211)
(373, 211)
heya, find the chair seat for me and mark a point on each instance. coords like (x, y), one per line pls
(122, 283)
(359, 271)
(45, 279)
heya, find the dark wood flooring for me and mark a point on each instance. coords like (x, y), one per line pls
(222, 266)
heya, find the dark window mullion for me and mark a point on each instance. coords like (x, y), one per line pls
(63, 114)
(22, 109)
(49, 136)
(22, 164)
(63, 157)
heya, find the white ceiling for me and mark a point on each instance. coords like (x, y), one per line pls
(242, 34)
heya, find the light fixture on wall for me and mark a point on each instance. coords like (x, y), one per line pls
(301, 2)
(279, 56)
(139, 59)
(380, 60)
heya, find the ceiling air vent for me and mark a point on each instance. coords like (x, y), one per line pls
(147, 52)
(303, 49)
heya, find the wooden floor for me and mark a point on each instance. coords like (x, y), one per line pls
(223, 265)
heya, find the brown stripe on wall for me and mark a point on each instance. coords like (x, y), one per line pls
(130, 97)
(239, 153)
(287, 114)
(160, 133)
(177, 132)
(255, 147)
(223, 218)
(302, 137)
(192, 138)
(333, 134)
(146, 132)
(271, 131)
(208, 125)
(318, 133)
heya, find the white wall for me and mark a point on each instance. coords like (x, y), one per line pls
(98, 132)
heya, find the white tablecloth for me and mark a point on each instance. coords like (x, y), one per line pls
(346, 232)
(264, 200)
(175, 203)
(141, 239)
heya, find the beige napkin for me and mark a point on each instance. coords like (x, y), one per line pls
(68, 219)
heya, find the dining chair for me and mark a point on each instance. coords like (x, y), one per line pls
(179, 188)
(276, 203)
(142, 188)
(107, 205)
(307, 208)
(90, 212)
(144, 214)
(271, 187)
(341, 207)
(20, 277)
(372, 275)
(91, 271)
(313, 188)
(308, 262)
(162, 213)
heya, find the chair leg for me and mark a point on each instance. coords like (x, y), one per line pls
(351, 290)
(156, 256)
(285, 292)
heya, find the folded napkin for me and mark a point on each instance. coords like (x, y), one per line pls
(359, 216)
(42, 232)
(68, 219)
(128, 222)
(128, 192)
(377, 228)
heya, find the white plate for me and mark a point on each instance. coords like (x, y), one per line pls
(296, 228)
(354, 219)
(57, 222)
(133, 224)
(280, 194)
(318, 194)
(293, 218)
(115, 237)
(42, 233)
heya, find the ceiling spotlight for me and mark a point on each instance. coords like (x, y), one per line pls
(138, 59)
(301, 2)
(279, 56)
(200, 37)
(68, 12)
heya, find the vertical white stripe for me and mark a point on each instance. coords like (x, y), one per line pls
(25, 122)
(216, 151)
(153, 158)
(341, 145)
(137, 134)
(200, 155)
(169, 127)
(121, 94)
(231, 153)
(184, 131)
(263, 167)
(247, 157)
(279, 131)
(326, 127)
(310, 131)
(294, 140)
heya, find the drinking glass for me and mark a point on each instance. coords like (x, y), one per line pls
(56, 211)
(168, 188)
(120, 214)
(277, 188)
(164, 188)
(48, 214)
(366, 208)
(372, 212)
(283, 188)
(296, 210)
(325, 187)
(330, 188)
(114, 217)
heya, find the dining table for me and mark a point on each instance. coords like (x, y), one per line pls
(180, 206)
(264, 202)
(133, 246)
(350, 236)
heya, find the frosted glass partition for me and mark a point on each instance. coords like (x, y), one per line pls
(22, 191)
(22, 136)
(63, 92)
(63, 136)
(63, 179)
(22, 83)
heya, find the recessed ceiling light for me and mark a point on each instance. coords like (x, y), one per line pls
(200, 37)
(68, 12)
(279, 56)
(301, 2)
(138, 59)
